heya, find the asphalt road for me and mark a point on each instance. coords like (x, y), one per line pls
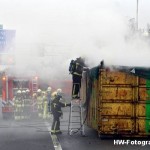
(24, 135)
(34, 135)
(92, 142)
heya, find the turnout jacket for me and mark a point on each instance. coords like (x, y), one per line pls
(56, 105)
(78, 67)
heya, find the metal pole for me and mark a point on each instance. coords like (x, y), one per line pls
(7, 88)
(137, 15)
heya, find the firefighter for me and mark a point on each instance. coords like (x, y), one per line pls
(39, 102)
(28, 94)
(27, 104)
(78, 67)
(49, 89)
(17, 105)
(34, 97)
(45, 106)
(56, 106)
(23, 94)
(34, 102)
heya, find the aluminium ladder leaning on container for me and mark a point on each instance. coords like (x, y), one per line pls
(76, 117)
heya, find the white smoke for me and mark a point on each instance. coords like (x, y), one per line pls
(50, 33)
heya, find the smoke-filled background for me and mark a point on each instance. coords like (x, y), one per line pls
(49, 33)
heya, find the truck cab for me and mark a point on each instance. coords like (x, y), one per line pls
(10, 86)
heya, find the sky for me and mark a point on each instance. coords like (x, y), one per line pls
(49, 33)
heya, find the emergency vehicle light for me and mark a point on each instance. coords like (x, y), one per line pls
(3, 78)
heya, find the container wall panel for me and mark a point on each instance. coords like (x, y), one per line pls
(140, 110)
(117, 109)
(93, 103)
(83, 89)
(117, 78)
(142, 81)
(110, 125)
(117, 93)
(142, 94)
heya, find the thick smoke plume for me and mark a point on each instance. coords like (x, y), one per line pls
(50, 33)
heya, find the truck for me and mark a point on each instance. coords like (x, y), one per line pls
(9, 87)
(11, 83)
(117, 100)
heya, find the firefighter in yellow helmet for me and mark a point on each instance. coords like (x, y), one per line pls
(56, 106)
(34, 96)
(17, 105)
(53, 95)
(39, 102)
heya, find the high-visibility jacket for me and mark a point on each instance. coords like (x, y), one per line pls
(18, 101)
(40, 100)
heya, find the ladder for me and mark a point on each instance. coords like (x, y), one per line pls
(76, 118)
(34, 86)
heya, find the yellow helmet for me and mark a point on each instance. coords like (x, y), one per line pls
(54, 94)
(34, 95)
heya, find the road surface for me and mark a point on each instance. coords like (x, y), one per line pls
(34, 134)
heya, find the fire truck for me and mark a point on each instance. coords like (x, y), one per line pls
(10, 85)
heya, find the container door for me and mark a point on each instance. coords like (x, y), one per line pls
(117, 92)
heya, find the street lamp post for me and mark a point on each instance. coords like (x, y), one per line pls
(137, 15)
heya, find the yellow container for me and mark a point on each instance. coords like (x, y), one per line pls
(118, 103)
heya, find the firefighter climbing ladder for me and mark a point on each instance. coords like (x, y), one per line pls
(76, 118)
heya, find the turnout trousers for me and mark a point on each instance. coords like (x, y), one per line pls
(56, 123)
(76, 86)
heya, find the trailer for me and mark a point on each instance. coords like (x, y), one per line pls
(10, 86)
(117, 99)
